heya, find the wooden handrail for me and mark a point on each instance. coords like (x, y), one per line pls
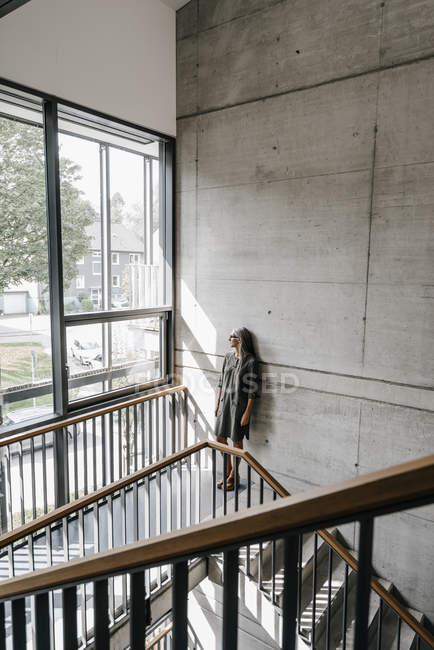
(76, 419)
(69, 508)
(160, 636)
(357, 497)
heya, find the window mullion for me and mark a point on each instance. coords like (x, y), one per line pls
(60, 378)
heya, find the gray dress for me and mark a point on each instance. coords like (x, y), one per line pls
(239, 381)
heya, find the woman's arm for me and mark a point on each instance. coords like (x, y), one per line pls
(219, 394)
(245, 419)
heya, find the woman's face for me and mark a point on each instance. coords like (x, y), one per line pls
(234, 341)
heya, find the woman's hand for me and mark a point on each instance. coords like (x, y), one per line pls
(245, 419)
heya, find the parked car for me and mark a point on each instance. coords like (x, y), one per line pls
(93, 362)
(83, 351)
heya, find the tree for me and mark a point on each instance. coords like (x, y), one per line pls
(23, 220)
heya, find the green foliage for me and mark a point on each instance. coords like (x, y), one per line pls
(86, 305)
(23, 220)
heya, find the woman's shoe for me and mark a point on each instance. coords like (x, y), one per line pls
(230, 484)
(220, 485)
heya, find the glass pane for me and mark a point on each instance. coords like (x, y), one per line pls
(134, 224)
(108, 356)
(81, 223)
(25, 337)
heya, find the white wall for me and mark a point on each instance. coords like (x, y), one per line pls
(116, 57)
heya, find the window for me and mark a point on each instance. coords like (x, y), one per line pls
(115, 184)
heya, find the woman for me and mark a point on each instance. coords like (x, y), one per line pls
(238, 388)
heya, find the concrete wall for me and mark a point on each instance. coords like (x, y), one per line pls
(116, 57)
(305, 211)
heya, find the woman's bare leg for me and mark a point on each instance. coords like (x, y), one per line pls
(224, 441)
(231, 475)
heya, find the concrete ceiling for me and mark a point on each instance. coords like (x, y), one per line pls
(175, 4)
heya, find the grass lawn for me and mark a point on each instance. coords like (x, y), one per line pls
(16, 369)
(16, 363)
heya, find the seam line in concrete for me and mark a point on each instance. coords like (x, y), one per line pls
(319, 372)
(285, 179)
(371, 208)
(332, 392)
(228, 22)
(298, 89)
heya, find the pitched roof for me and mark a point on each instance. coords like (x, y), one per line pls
(123, 239)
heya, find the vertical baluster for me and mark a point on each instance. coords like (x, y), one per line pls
(236, 479)
(8, 470)
(75, 459)
(179, 605)
(65, 538)
(3, 629)
(85, 468)
(314, 580)
(19, 623)
(44, 473)
(329, 595)
(111, 449)
(20, 468)
(120, 452)
(64, 432)
(188, 493)
(101, 623)
(103, 420)
(418, 643)
(179, 495)
(299, 579)
(42, 619)
(142, 430)
(230, 600)
(122, 497)
(150, 433)
(135, 436)
(214, 478)
(69, 613)
(147, 506)
(32, 469)
(127, 437)
(179, 419)
(363, 583)
(110, 543)
(82, 588)
(158, 517)
(290, 591)
(249, 503)
(197, 486)
(157, 427)
(261, 549)
(95, 480)
(380, 625)
(273, 572)
(398, 632)
(11, 560)
(135, 511)
(173, 423)
(225, 491)
(163, 426)
(137, 611)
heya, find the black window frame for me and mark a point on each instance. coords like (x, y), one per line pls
(62, 407)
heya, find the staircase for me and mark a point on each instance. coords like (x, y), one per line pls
(126, 554)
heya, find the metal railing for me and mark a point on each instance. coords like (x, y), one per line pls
(48, 466)
(276, 524)
(170, 494)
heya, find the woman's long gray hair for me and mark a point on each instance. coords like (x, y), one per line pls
(246, 345)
